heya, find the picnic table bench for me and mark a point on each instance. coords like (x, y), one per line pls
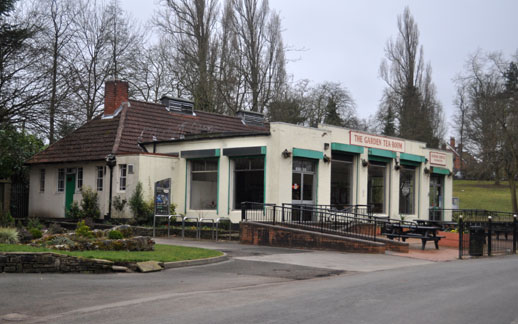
(406, 231)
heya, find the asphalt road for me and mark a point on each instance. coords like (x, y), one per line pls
(247, 291)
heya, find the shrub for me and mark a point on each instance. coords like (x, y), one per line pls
(74, 211)
(83, 230)
(142, 210)
(6, 220)
(61, 240)
(90, 204)
(115, 235)
(36, 233)
(8, 235)
(55, 228)
(34, 222)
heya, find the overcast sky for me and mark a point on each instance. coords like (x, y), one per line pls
(343, 41)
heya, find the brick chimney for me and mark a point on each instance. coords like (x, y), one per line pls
(115, 93)
(452, 142)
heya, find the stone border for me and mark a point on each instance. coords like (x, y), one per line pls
(189, 263)
(48, 262)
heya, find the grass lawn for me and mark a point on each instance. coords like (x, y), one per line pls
(475, 194)
(162, 253)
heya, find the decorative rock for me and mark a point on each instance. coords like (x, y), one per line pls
(120, 269)
(149, 266)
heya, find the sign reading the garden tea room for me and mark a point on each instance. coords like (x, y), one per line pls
(374, 141)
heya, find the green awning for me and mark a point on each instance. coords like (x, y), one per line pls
(308, 154)
(378, 155)
(438, 170)
(382, 153)
(411, 157)
(347, 148)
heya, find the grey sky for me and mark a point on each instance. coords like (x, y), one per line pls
(343, 41)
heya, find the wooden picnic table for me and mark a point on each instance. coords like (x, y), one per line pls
(422, 232)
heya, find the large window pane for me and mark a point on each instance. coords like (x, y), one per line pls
(308, 187)
(406, 190)
(204, 184)
(296, 186)
(341, 182)
(248, 180)
(376, 187)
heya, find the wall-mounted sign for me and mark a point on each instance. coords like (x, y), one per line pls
(438, 158)
(162, 197)
(375, 141)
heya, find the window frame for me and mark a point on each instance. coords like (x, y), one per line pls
(385, 167)
(100, 170)
(61, 180)
(407, 169)
(42, 180)
(192, 172)
(233, 182)
(123, 177)
(79, 181)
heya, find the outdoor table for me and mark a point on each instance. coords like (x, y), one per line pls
(425, 233)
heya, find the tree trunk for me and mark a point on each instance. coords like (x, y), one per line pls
(512, 187)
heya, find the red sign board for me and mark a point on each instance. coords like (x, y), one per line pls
(438, 158)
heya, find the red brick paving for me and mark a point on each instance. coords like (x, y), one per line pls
(429, 253)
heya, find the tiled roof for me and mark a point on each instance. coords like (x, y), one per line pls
(140, 122)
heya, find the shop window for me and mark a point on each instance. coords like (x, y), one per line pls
(42, 180)
(61, 180)
(341, 180)
(407, 190)
(123, 168)
(204, 184)
(100, 178)
(248, 180)
(79, 178)
(376, 187)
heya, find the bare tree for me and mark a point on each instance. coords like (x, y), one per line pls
(410, 94)
(261, 46)
(190, 27)
(56, 32)
(21, 85)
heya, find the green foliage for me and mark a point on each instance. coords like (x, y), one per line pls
(15, 149)
(60, 240)
(118, 203)
(172, 209)
(90, 204)
(475, 194)
(6, 220)
(34, 222)
(8, 235)
(74, 211)
(161, 253)
(36, 233)
(115, 235)
(142, 210)
(83, 230)
(55, 228)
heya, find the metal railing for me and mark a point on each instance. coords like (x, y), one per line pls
(364, 210)
(310, 217)
(440, 214)
(480, 236)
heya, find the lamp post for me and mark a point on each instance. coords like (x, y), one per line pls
(111, 161)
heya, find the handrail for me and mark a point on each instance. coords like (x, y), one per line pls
(210, 220)
(197, 226)
(168, 223)
(218, 220)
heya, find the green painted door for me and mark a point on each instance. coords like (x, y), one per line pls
(69, 191)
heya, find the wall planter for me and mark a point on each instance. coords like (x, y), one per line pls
(451, 239)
